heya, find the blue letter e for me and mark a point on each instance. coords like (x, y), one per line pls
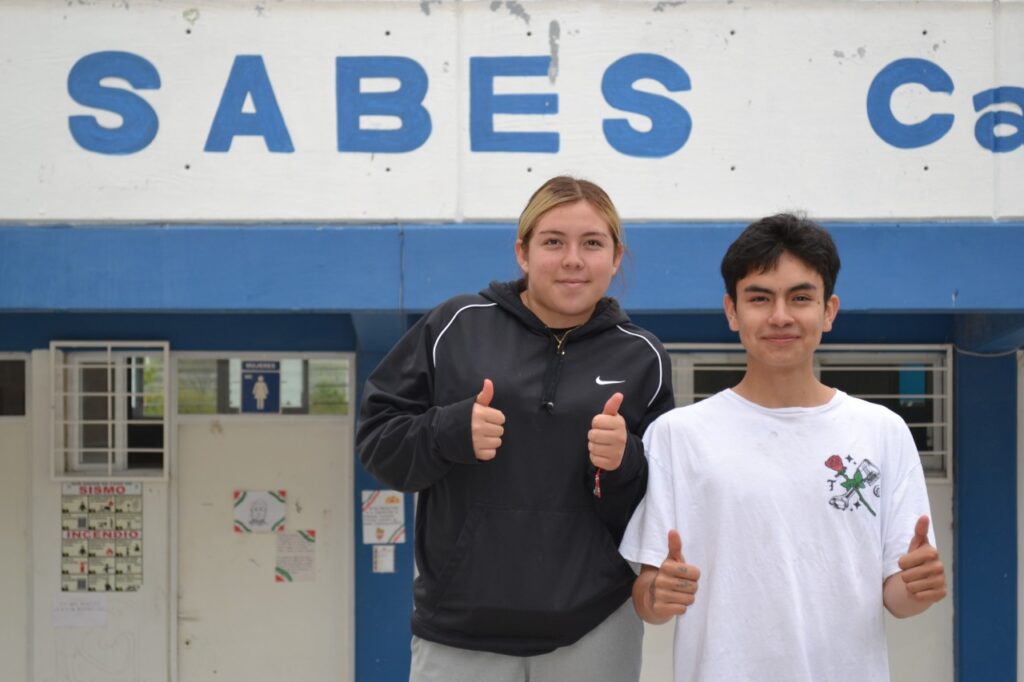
(484, 104)
(139, 121)
(405, 104)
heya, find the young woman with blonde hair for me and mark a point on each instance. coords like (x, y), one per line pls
(516, 413)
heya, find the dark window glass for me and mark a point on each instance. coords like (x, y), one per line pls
(707, 382)
(12, 388)
(145, 410)
(98, 434)
(905, 390)
(914, 392)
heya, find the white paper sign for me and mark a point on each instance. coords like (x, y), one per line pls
(80, 611)
(260, 511)
(383, 558)
(296, 557)
(383, 517)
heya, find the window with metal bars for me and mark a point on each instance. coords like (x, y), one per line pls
(108, 409)
(914, 382)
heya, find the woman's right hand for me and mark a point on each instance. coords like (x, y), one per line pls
(486, 424)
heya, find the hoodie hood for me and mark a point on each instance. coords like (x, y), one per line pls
(607, 312)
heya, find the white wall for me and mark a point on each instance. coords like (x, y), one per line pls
(777, 100)
(131, 643)
(209, 607)
(235, 622)
(14, 532)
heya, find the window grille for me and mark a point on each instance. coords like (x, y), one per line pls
(915, 382)
(108, 409)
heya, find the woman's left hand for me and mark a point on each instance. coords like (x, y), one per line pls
(606, 439)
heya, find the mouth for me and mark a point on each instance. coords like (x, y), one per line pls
(780, 340)
(572, 283)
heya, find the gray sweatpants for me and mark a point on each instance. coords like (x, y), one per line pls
(608, 653)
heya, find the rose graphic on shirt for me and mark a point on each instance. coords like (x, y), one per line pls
(835, 463)
(865, 475)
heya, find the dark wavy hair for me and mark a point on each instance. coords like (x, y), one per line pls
(760, 246)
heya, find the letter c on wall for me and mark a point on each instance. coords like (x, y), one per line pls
(898, 73)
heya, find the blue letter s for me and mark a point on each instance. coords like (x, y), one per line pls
(139, 121)
(670, 123)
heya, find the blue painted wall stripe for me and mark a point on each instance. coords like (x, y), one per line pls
(184, 331)
(888, 267)
(207, 268)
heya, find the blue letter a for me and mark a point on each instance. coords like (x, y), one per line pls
(248, 78)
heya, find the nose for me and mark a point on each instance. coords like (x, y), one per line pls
(572, 258)
(780, 316)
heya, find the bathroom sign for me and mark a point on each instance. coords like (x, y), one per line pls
(261, 387)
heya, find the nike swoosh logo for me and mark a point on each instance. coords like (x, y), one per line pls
(606, 382)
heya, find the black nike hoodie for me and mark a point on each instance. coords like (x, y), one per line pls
(516, 555)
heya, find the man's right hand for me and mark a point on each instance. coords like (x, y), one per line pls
(486, 424)
(667, 591)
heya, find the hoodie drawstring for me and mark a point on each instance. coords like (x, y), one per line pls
(547, 401)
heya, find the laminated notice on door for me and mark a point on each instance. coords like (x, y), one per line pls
(296, 557)
(260, 511)
(80, 611)
(383, 558)
(101, 537)
(383, 517)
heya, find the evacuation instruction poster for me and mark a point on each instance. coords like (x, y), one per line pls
(101, 537)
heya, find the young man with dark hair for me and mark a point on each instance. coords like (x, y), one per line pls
(804, 508)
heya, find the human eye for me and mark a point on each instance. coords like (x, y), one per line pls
(594, 243)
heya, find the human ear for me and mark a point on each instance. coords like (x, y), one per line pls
(831, 310)
(729, 306)
(620, 250)
(521, 257)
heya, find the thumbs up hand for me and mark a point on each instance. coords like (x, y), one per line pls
(486, 424)
(675, 586)
(606, 439)
(922, 571)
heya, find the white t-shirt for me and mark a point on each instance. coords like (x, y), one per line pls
(792, 562)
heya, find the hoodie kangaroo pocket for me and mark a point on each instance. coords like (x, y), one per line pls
(533, 567)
